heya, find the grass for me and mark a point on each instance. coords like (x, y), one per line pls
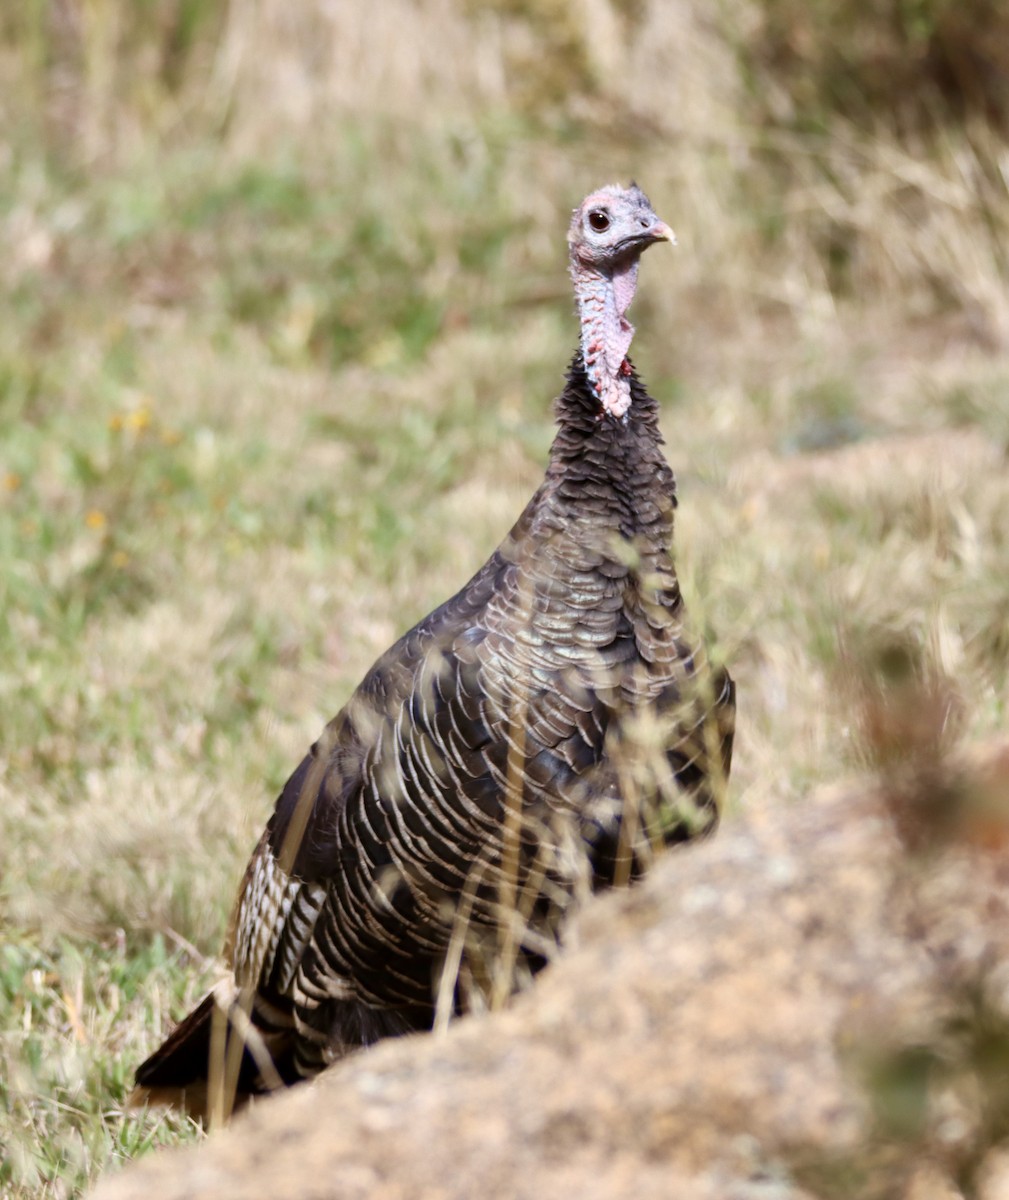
(62, 1107)
(275, 379)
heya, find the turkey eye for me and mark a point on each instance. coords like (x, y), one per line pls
(599, 221)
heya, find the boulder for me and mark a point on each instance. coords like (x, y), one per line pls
(797, 1007)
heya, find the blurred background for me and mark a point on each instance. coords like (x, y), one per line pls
(284, 305)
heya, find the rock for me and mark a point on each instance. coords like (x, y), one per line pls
(733, 1028)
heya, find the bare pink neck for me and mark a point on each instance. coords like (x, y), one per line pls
(603, 299)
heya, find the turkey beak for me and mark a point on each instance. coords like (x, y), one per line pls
(660, 232)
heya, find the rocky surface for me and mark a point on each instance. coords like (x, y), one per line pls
(714, 1033)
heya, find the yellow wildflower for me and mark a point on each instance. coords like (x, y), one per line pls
(139, 419)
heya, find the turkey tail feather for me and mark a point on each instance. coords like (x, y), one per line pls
(214, 1062)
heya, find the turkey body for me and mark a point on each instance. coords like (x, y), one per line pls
(533, 738)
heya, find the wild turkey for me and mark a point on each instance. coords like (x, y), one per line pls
(534, 737)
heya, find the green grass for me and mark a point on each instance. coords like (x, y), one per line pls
(70, 1016)
(271, 387)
